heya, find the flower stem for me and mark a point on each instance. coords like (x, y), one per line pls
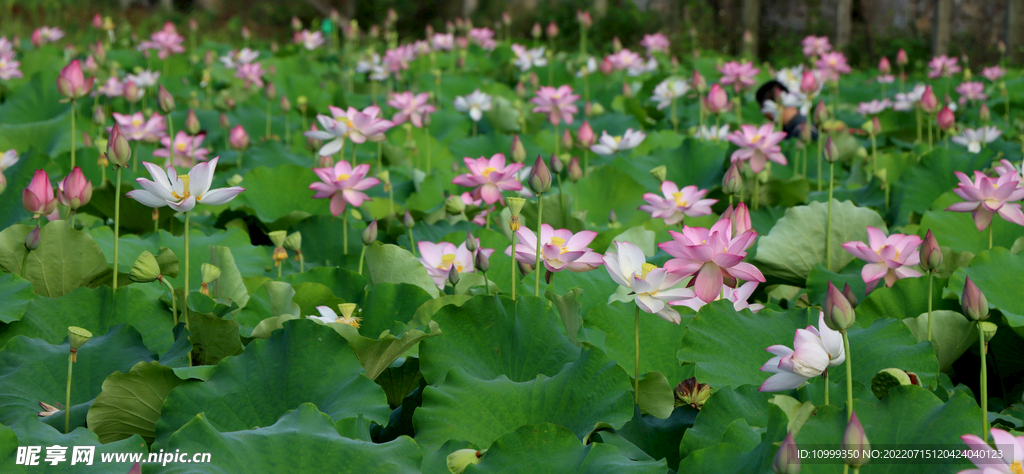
(24, 262)
(344, 232)
(174, 301)
(919, 125)
(170, 132)
(280, 267)
(487, 284)
(931, 276)
(929, 134)
(186, 287)
(474, 129)
(849, 376)
(675, 121)
(561, 202)
(636, 369)
(558, 141)
(821, 149)
(990, 236)
(73, 115)
(412, 243)
(117, 220)
(757, 192)
(362, 255)
(67, 398)
(540, 221)
(824, 376)
(739, 110)
(984, 386)
(828, 225)
(514, 282)
(380, 156)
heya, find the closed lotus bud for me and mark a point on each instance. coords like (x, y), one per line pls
(717, 100)
(145, 269)
(32, 239)
(515, 205)
(584, 19)
(575, 170)
(193, 24)
(886, 379)
(246, 34)
(606, 67)
(165, 99)
(459, 460)
(931, 254)
(984, 115)
(286, 105)
(238, 138)
(119, 152)
(552, 30)
(540, 177)
(471, 243)
(77, 337)
(973, 301)
(808, 83)
(626, 90)
(270, 92)
(741, 219)
(805, 133)
(86, 140)
(74, 191)
(988, 330)
(692, 393)
(787, 459)
(99, 117)
(967, 73)
(831, 150)
(616, 44)
(839, 314)
(567, 139)
(534, 80)
(850, 296)
(536, 31)
(883, 66)
(453, 275)
(296, 23)
(901, 57)
(876, 125)
(659, 173)
(370, 233)
(585, 135)
(131, 92)
(855, 443)
(820, 112)
(556, 164)
(928, 103)
(732, 182)
(454, 205)
(192, 123)
(945, 120)
(481, 262)
(408, 220)
(518, 150)
(224, 122)
(699, 83)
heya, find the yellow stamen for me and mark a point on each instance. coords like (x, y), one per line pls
(446, 261)
(354, 321)
(646, 268)
(184, 181)
(136, 122)
(181, 146)
(1017, 468)
(756, 139)
(617, 140)
(341, 177)
(679, 200)
(488, 170)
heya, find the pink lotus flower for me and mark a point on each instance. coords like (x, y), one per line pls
(413, 107)
(137, 128)
(9, 68)
(559, 103)
(972, 91)
(234, 58)
(757, 145)
(74, 191)
(362, 126)
(182, 192)
(650, 285)
(986, 196)
(308, 40)
(993, 73)
(560, 249)
(1004, 167)
(398, 59)
(439, 258)
(483, 37)
(45, 35)
(38, 197)
(737, 296)
(677, 204)
(816, 46)
(874, 107)
(112, 88)
(72, 83)
(185, 149)
(490, 176)
(814, 351)
(609, 145)
(717, 100)
(833, 65)
(713, 255)
(344, 185)
(251, 73)
(656, 43)
(166, 41)
(741, 76)
(942, 66)
(443, 41)
(1007, 460)
(887, 258)
(624, 59)
(886, 79)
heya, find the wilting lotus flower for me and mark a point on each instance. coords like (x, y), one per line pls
(167, 41)
(185, 149)
(757, 145)
(652, 286)
(888, 258)
(677, 204)
(609, 145)
(986, 196)
(489, 177)
(974, 138)
(993, 73)
(713, 255)
(816, 46)
(814, 350)
(560, 249)
(1008, 459)
(413, 107)
(344, 185)
(737, 296)
(38, 197)
(251, 74)
(72, 83)
(874, 107)
(527, 59)
(712, 133)
(308, 40)
(75, 190)
(833, 65)
(182, 192)
(559, 104)
(971, 91)
(717, 100)
(669, 90)
(136, 128)
(942, 66)
(741, 76)
(440, 258)
(656, 43)
(475, 104)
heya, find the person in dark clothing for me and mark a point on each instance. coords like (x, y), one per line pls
(792, 120)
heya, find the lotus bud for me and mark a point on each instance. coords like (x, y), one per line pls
(515, 205)
(659, 173)
(839, 314)
(690, 392)
(481, 262)
(567, 139)
(556, 164)
(595, 109)
(808, 83)
(928, 103)
(699, 83)
(408, 220)
(613, 219)
(876, 125)
(552, 30)
(886, 379)
(973, 301)
(585, 135)
(77, 337)
(369, 235)
(575, 171)
(540, 177)
(883, 66)
(849, 295)
(192, 123)
(945, 120)
(99, 116)
(3, 182)
(74, 191)
(855, 442)
(453, 275)
(86, 140)
(901, 57)
(931, 254)
(732, 182)
(131, 92)
(165, 100)
(741, 219)
(119, 151)
(32, 239)
(984, 115)
(988, 330)
(820, 112)
(459, 460)
(536, 31)
(296, 24)
(454, 205)
(145, 269)
(606, 67)
(234, 180)
(518, 150)
(534, 80)
(238, 138)
(831, 150)
(471, 243)
(717, 99)
(787, 459)
(246, 34)
(584, 19)
(270, 92)
(224, 122)
(616, 44)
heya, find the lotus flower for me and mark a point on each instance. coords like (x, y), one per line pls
(238, 138)
(308, 40)
(72, 83)
(527, 59)
(737, 296)
(362, 125)
(1006, 460)
(942, 66)
(185, 149)
(833, 65)
(483, 37)
(481, 217)
(9, 68)
(757, 145)
(652, 286)
(38, 197)
(816, 46)
(656, 43)
(609, 145)
(143, 79)
(669, 90)
(167, 41)
(714, 255)
(413, 107)
(328, 316)
(182, 192)
(559, 104)
(677, 204)
(439, 259)
(45, 35)
(1004, 167)
(374, 66)
(250, 74)
(888, 258)
(814, 350)
(398, 59)
(971, 91)
(974, 138)
(908, 101)
(993, 73)
(489, 177)
(443, 41)
(8, 159)
(874, 107)
(136, 127)
(712, 133)
(234, 58)
(560, 249)
(344, 185)
(986, 196)
(741, 76)
(624, 59)
(475, 104)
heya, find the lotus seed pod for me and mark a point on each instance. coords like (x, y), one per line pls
(988, 329)
(659, 173)
(209, 273)
(293, 242)
(886, 379)
(515, 205)
(78, 336)
(278, 237)
(145, 269)
(692, 393)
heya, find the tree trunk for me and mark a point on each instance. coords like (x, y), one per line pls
(843, 13)
(1015, 30)
(942, 29)
(751, 24)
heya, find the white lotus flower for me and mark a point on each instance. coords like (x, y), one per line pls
(973, 138)
(608, 145)
(475, 103)
(8, 159)
(815, 350)
(652, 286)
(669, 90)
(712, 133)
(182, 192)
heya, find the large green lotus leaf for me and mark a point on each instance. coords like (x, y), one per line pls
(33, 371)
(906, 418)
(51, 136)
(392, 264)
(98, 310)
(733, 441)
(797, 241)
(322, 239)
(610, 327)
(728, 347)
(550, 448)
(400, 379)
(272, 299)
(377, 354)
(302, 440)
(996, 272)
(694, 162)
(213, 337)
(35, 433)
(16, 293)
(957, 231)
(130, 402)
(229, 284)
(593, 389)
(907, 298)
(66, 258)
(491, 336)
(952, 334)
(36, 101)
(568, 307)
(720, 410)
(658, 438)
(607, 189)
(596, 286)
(921, 185)
(388, 303)
(347, 285)
(304, 362)
(275, 193)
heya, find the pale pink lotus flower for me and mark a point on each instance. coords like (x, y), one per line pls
(987, 196)
(9, 68)
(886, 79)
(971, 91)
(489, 177)
(6, 48)
(439, 258)
(251, 74)
(137, 128)
(623, 59)
(816, 46)
(334, 130)
(713, 255)
(443, 41)
(942, 66)
(475, 104)
(45, 35)
(973, 139)
(413, 107)
(1008, 458)
(182, 192)
(651, 286)
(560, 249)
(527, 59)
(10, 158)
(483, 37)
(398, 58)
(905, 102)
(676, 204)
(757, 145)
(167, 41)
(185, 149)
(609, 145)
(832, 65)
(814, 351)
(112, 88)
(362, 125)
(874, 107)
(559, 104)
(38, 198)
(669, 90)
(234, 58)
(481, 217)
(740, 75)
(144, 79)
(344, 185)
(993, 73)
(709, 132)
(308, 40)
(71, 82)
(1004, 167)
(372, 65)
(656, 43)
(738, 297)
(888, 258)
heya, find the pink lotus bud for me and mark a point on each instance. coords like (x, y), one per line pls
(945, 119)
(808, 83)
(741, 219)
(86, 140)
(208, 59)
(131, 92)
(325, 161)
(100, 52)
(165, 99)
(38, 197)
(699, 83)
(536, 31)
(32, 239)
(901, 57)
(583, 17)
(193, 24)
(540, 177)
(567, 139)
(74, 191)
(831, 150)
(732, 182)
(97, 22)
(392, 15)
(506, 19)
(238, 139)
(588, 109)
(90, 65)
(99, 117)
(820, 112)
(787, 459)
(552, 30)
(973, 301)
(717, 100)
(931, 253)
(607, 67)
(575, 170)
(983, 113)
(534, 80)
(839, 314)
(118, 149)
(192, 122)
(929, 103)
(224, 122)
(855, 441)
(556, 164)
(748, 37)
(296, 23)
(883, 66)
(37, 38)
(585, 135)
(429, 30)
(270, 92)
(370, 233)
(1001, 47)
(626, 90)
(518, 150)
(286, 105)
(246, 34)
(72, 83)
(876, 125)
(408, 220)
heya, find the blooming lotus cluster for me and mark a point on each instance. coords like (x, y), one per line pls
(475, 104)
(631, 62)
(609, 145)
(483, 37)
(814, 351)
(343, 184)
(166, 42)
(674, 205)
(527, 59)
(757, 145)
(489, 177)
(985, 196)
(560, 249)
(973, 139)
(740, 75)
(415, 108)
(650, 285)
(713, 255)
(942, 66)
(559, 104)
(182, 192)
(439, 259)
(185, 149)
(398, 59)
(888, 258)
(308, 40)
(442, 41)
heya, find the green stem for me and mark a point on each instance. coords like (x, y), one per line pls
(380, 156)
(174, 300)
(540, 220)
(287, 134)
(931, 276)
(675, 121)
(849, 377)
(187, 287)
(739, 110)
(117, 221)
(74, 114)
(428, 153)
(362, 255)
(984, 386)
(67, 398)
(586, 160)
(170, 132)
(929, 134)
(821, 149)
(561, 202)
(919, 125)
(412, 243)
(824, 377)
(344, 232)
(757, 192)
(828, 225)
(636, 368)
(280, 267)
(874, 155)
(474, 129)
(24, 262)
(990, 236)
(514, 282)
(487, 284)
